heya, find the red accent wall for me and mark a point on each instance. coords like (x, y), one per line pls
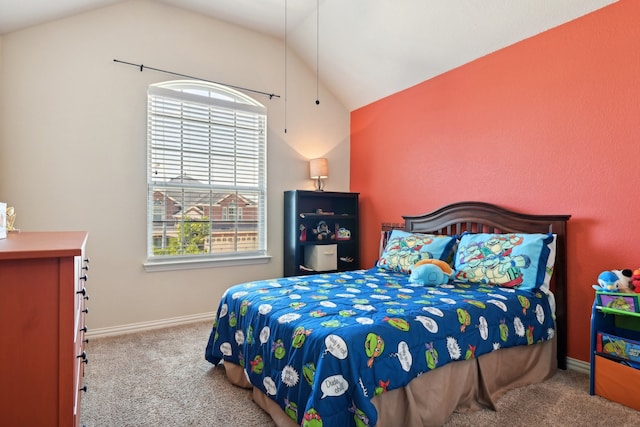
(550, 125)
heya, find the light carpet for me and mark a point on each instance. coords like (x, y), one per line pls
(160, 378)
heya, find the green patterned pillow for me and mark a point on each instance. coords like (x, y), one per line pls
(405, 249)
(513, 260)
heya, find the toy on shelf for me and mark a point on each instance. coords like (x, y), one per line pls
(624, 277)
(322, 231)
(342, 233)
(635, 280)
(614, 281)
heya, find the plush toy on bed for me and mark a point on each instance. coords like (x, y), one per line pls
(430, 272)
(614, 281)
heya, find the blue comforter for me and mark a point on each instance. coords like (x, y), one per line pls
(323, 346)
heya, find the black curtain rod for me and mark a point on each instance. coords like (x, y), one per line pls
(143, 67)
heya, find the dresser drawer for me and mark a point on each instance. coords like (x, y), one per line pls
(80, 328)
(80, 304)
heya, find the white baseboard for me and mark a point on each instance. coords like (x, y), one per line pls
(573, 364)
(146, 326)
(578, 365)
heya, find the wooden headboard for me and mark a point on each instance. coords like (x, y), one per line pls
(480, 217)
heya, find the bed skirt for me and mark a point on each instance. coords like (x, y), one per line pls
(430, 399)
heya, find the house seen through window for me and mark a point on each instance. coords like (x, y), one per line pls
(206, 174)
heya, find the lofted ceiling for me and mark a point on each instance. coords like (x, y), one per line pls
(362, 50)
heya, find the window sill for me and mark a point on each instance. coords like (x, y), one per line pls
(189, 264)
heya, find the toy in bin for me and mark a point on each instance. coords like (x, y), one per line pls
(622, 348)
(619, 301)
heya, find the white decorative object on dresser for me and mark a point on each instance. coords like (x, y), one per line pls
(3, 220)
(42, 309)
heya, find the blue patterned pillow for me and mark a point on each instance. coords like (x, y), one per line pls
(405, 249)
(512, 260)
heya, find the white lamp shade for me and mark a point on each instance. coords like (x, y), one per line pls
(318, 168)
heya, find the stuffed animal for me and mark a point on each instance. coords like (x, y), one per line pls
(322, 231)
(607, 282)
(635, 280)
(430, 272)
(624, 277)
(614, 281)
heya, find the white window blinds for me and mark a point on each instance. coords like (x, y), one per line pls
(206, 163)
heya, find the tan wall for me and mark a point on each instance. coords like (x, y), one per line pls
(73, 142)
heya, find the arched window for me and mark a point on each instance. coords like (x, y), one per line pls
(205, 143)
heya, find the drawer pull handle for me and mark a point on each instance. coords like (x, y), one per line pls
(86, 341)
(86, 267)
(86, 310)
(86, 260)
(85, 278)
(83, 388)
(83, 356)
(83, 291)
(84, 329)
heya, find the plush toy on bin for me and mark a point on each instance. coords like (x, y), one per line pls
(635, 280)
(614, 281)
(430, 272)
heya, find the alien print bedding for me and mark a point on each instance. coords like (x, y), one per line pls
(323, 346)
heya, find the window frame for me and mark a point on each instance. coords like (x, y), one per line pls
(215, 97)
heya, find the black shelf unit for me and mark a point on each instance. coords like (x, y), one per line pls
(303, 211)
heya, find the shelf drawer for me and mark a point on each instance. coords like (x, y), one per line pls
(617, 382)
(618, 302)
(321, 257)
(621, 347)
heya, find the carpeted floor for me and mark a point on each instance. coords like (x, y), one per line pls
(160, 378)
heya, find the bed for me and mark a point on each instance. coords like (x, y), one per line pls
(371, 348)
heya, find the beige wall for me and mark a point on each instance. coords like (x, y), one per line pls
(72, 142)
